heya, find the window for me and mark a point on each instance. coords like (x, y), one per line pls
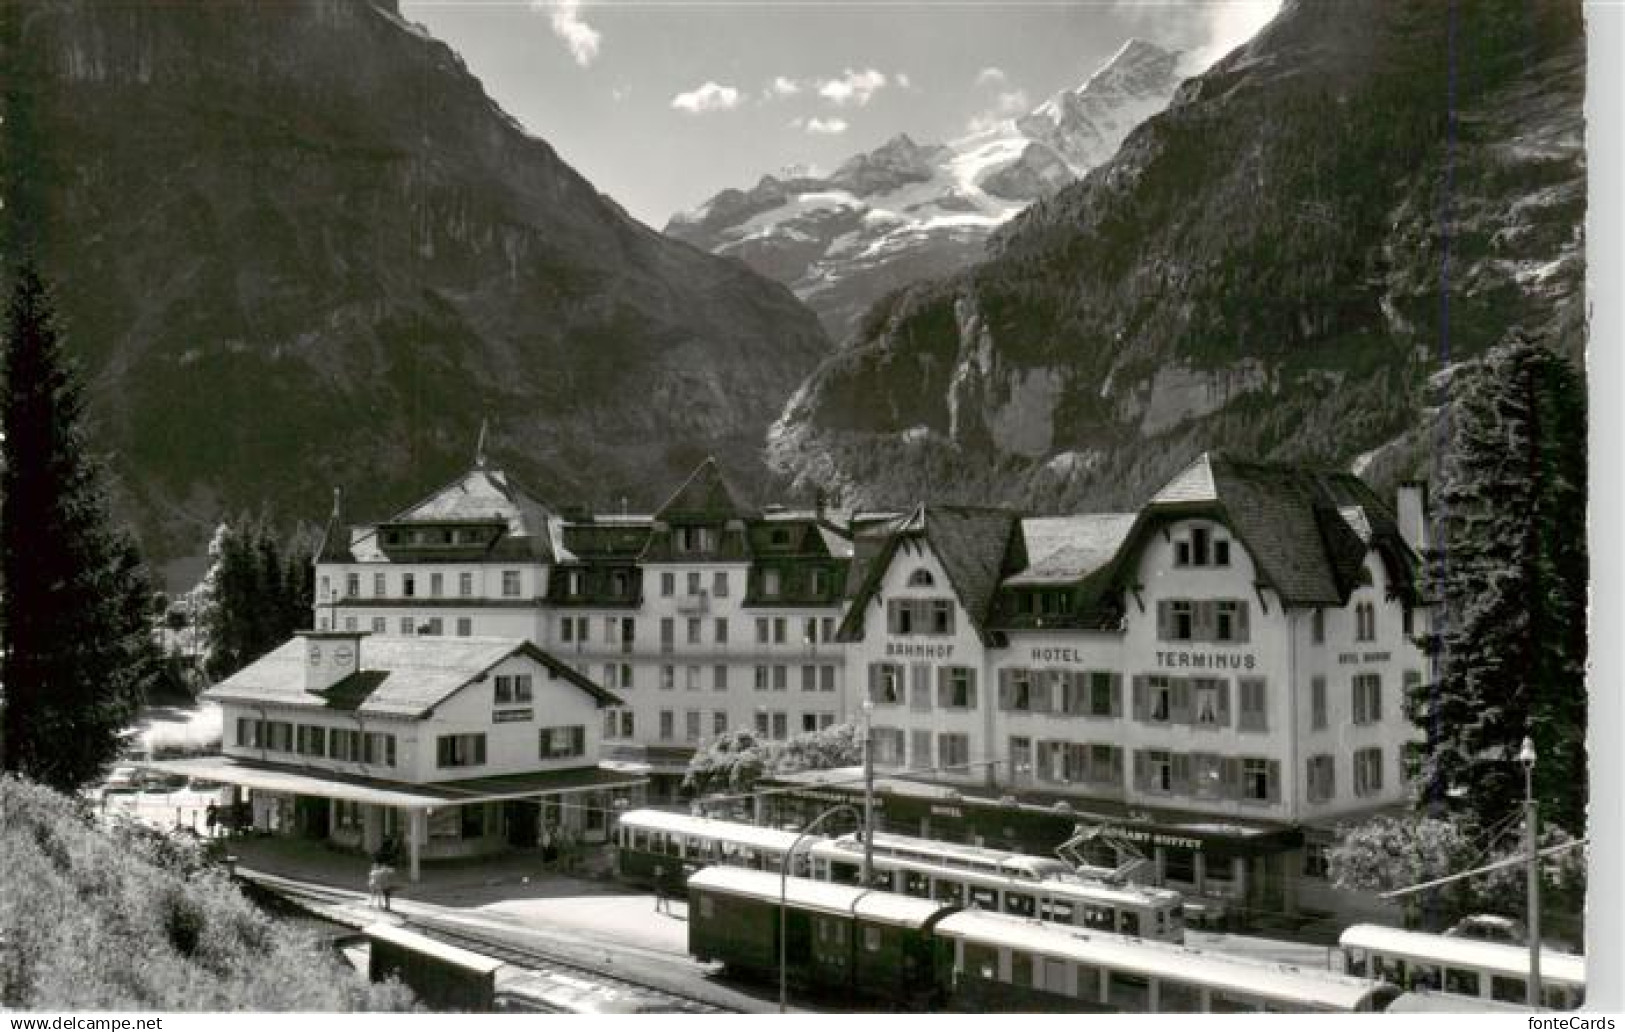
(513, 688)
(762, 725)
(407, 626)
(1316, 863)
(567, 630)
(1103, 694)
(1254, 711)
(779, 630)
(781, 677)
(1230, 621)
(885, 684)
(668, 725)
(1176, 621)
(668, 584)
(956, 688)
(693, 630)
(465, 584)
(696, 539)
(310, 741)
(326, 587)
(472, 820)
(762, 632)
(920, 746)
(437, 584)
(465, 626)
(668, 677)
(772, 582)
(1017, 692)
(1367, 689)
(1365, 621)
(953, 752)
(691, 726)
(1255, 780)
(828, 628)
(433, 626)
(378, 749)
(460, 750)
(920, 616)
(719, 722)
(719, 677)
(668, 633)
(761, 677)
(349, 623)
(921, 578)
(575, 583)
(1317, 627)
(1159, 771)
(694, 582)
(809, 678)
(1317, 703)
(781, 726)
(1159, 699)
(826, 678)
(888, 746)
(611, 724)
(1322, 778)
(691, 678)
(720, 631)
(378, 585)
(1212, 704)
(408, 585)
(719, 584)
(809, 631)
(1368, 771)
(809, 723)
(352, 585)
(379, 625)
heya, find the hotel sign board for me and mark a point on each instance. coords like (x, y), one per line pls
(906, 649)
(1183, 660)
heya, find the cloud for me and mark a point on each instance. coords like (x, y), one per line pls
(991, 75)
(1006, 105)
(820, 126)
(782, 86)
(709, 97)
(1205, 31)
(581, 38)
(852, 89)
(903, 81)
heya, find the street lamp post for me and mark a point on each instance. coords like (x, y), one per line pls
(1526, 756)
(784, 894)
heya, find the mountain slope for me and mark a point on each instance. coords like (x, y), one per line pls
(297, 246)
(1280, 264)
(905, 212)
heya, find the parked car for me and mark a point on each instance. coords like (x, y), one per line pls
(155, 781)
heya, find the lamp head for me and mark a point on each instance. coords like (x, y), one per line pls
(1526, 755)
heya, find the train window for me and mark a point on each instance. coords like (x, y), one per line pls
(871, 939)
(1456, 980)
(1562, 997)
(1128, 992)
(917, 885)
(1178, 997)
(1100, 918)
(673, 846)
(1128, 922)
(1354, 962)
(1426, 976)
(1389, 969)
(1019, 903)
(1022, 971)
(1056, 910)
(950, 892)
(1509, 990)
(1088, 985)
(1161, 923)
(981, 961)
(846, 874)
(985, 899)
(1224, 1003)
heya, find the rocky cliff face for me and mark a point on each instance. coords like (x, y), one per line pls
(906, 211)
(1286, 263)
(297, 246)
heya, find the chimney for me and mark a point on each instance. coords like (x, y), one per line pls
(330, 657)
(1411, 513)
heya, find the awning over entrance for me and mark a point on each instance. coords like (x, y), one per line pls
(271, 777)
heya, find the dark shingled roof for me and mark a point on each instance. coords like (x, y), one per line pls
(972, 544)
(1307, 530)
(479, 497)
(703, 496)
(399, 676)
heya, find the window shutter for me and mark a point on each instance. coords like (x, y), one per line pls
(1330, 768)
(1005, 691)
(1376, 698)
(1374, 778)
(1182, 773)
(1253, 704)
(1162, 621)
(1202, 626)
(1180, 712)
(1039, 687)
(874, 682)
(479, 749)
(1117, 696)
(1230, 776)
(1223, 707)
(1274, 781)
(1139, 697)
(970, 687)
(578, 740)
(942, 688)
(1117, 765)
(1139, 768)
(1242, 634)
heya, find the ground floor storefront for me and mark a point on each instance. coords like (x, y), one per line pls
(551, 812)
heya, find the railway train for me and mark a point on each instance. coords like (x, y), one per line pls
(917, 954)
(1464, 971)
(1028, 886)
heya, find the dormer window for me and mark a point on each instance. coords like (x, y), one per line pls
(1202, 548)
(921, 578)
(772, 583)
(696, 539)
(781, 536)
(572, 583)
(315, 655)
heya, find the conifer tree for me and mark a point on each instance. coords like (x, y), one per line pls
(65, 619)
(1511, 576)
(254, 598)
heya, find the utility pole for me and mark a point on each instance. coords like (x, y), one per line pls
(1526, 756)
(868, 794)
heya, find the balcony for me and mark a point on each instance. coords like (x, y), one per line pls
(695, 604)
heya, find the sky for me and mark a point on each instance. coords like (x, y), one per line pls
(663, 103)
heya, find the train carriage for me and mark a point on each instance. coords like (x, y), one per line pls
(837, 938)
(678, 845)
(997, 962)
(1125, 909)
(1466, 968)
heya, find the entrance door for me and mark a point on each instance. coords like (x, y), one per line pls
(310, 817)
(521, 818)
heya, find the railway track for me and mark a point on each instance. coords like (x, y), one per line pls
(553, 970)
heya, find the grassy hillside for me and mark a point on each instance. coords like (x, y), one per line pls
(127, 919)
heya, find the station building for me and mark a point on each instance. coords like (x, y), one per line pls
(450, 748)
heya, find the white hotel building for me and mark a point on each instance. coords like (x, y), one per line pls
(1217, 677)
